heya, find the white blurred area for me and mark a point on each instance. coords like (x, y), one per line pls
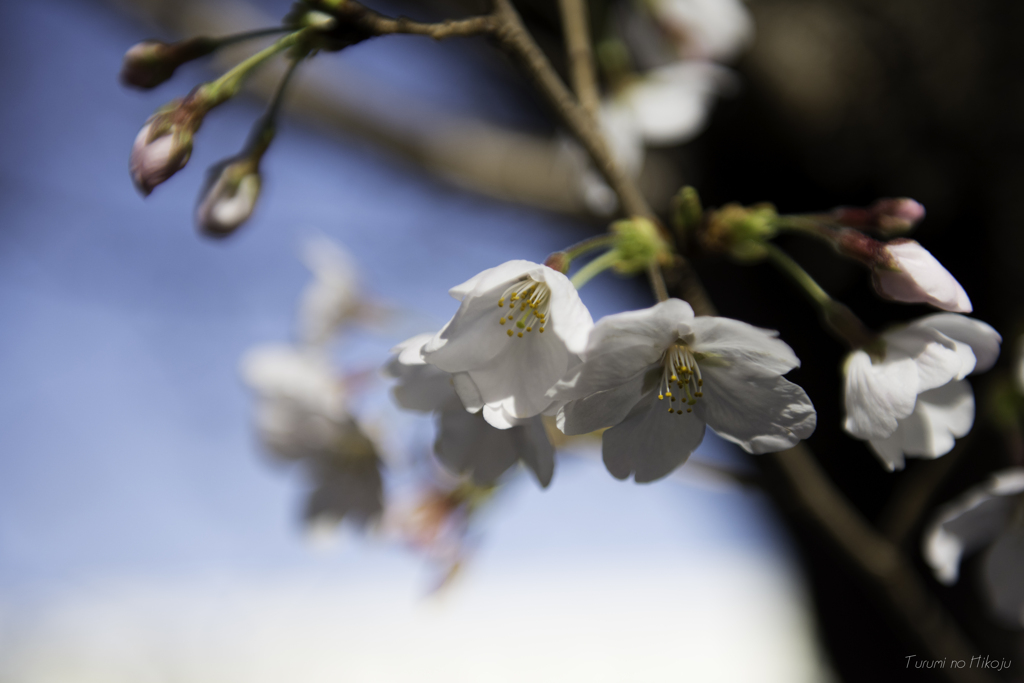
(573, 606)
(726, 618)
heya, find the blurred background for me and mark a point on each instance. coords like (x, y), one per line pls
(145, 535)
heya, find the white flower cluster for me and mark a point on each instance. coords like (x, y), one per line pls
(523, 344)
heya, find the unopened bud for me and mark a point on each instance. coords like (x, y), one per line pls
(887, 217)
(741, 231)
(161, 149)
(151, 62)
(229, 199)
(639, 243)
(905, 271)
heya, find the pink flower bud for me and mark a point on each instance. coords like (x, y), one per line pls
(886, 216)
(229, 199)
(159, 152)
(908, 272)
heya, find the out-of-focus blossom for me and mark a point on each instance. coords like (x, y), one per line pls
(908, 272)
(706, 29)
(666, 106)
(332, 299)
(989, 515)
(301, 415)
(466, 443)
(229, 198)
(907, 396)
(727, 375)
(519, 328)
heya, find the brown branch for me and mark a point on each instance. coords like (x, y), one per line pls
(576, 26)
(379, 25)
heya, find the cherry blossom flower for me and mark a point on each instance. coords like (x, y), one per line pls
(466, 443)
(519, 328)
(301, 416)
(908, 272)
(988, 515)
(659, 375)
(907, 396)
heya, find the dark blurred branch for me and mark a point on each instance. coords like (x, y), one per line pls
(576, 25)
(798, 483)
(914, 492)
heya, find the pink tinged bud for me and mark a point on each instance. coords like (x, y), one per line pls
(157, 156)
(230, 199)
(909, 273)
(886, 216)
(902, 213)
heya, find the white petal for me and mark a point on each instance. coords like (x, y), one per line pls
(488, 279)
(983, 340)
(603, 409)
(519, 378)
(970, 522)
(941, 416)
(760, 414)
(731, 342)
(468, 392)
(1004, 576)
(570, 318)
(919, 278)
(937, 357)
(624, 345)
(877, 396)
(651, 442)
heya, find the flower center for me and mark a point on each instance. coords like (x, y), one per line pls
(680, 368)
(528, 303)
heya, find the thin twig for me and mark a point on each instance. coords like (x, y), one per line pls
(576, 27)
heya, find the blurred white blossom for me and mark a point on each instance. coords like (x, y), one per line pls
(301, 415)
(332, 299)
(988, 515)
(727, 374)
(706, 29)
(907, 395)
